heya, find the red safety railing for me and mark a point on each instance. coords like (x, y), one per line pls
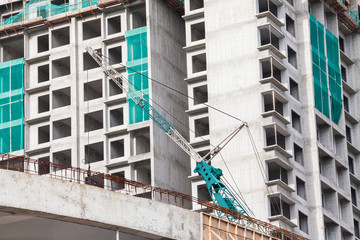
(126, 186)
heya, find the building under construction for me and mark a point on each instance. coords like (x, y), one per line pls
(88, 163)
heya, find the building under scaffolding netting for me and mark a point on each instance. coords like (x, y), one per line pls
(45, 8)
(48, 8)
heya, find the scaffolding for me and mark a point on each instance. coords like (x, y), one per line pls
(38, 12)
(326, 70)
(350, 18)
(137, 189)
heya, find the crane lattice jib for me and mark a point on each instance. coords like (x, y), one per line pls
(137, 97)
(219, 193)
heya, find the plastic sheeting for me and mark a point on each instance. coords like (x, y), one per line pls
(137, 67)
(326, 70)
(44, 9)
(11, 106)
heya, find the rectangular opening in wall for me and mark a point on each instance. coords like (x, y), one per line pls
(296, 121)
(197, 31)
(270, 105)
(60, 67)
(93, 121)
(62, 157)
(200, 94)
(115, 55)
(274, 137)
(196, 4)
(91, 29)
(343, 73)
(348, 133)
(92, 90)
(60, 37)
(89, 62)
(341, 44)
(199, 63)
(303, 222)
(117, 149)
(43, 73)
(346, 103)
(353, 196)
(61, 98)
(138, 17)
(43, 103)
(267, 5)
(44, 165)
(292, 59)
(294, 89)
(58, 2)
(298, 154)
(202, 127)
(114, 25)
(143, 172)
(300, 188)
(142, 141)
(13, 48)
(203, 193)
(356, 228)
(267, 36)
(290, 25)
(279, 207)
(62, 128)
(43, 134)
(116, 117)
(114, 89)
(351, 165)
(43, 43)
(94, 152)
(270, 70)
(276, 172)
(117, 184)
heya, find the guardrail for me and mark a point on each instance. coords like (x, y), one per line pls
(126, 186)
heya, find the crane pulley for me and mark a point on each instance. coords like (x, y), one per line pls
(218, 191)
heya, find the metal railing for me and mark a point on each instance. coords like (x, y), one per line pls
(126, 186)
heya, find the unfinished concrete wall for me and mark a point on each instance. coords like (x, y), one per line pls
(166, 65)
(79, 203)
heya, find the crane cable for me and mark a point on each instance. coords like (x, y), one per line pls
(257, 155)
(173, 89)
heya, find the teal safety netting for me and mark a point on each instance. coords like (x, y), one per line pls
(44, 9)
(326, 70)
(332, 49)
(11, 106)
(319, 66)
(137, 67)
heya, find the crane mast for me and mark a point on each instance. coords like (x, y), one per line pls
(219, 193)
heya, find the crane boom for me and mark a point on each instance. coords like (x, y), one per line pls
(219, 193)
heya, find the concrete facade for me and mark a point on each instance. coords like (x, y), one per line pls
(75, 115)
(305, 181)
(251, 59)
(109, 212)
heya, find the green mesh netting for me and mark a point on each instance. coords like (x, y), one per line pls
(332, 47)
(11, 106)
(319, 66)
(44, 9)
(137, 67)
(326, 75)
